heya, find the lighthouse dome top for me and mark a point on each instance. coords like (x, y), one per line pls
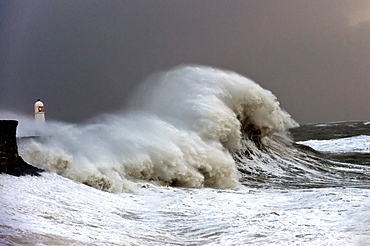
(39, 106)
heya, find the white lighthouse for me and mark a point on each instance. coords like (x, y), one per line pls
(39, 112)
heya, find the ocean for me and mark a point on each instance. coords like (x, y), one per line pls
(203, 156)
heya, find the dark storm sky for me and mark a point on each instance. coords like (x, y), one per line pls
(85, 57)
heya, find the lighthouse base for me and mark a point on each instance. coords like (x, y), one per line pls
(40, 118)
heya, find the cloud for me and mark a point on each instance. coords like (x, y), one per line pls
(87, 57)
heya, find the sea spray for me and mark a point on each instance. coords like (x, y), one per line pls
(180, 131)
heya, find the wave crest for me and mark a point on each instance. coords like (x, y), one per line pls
(180, 131)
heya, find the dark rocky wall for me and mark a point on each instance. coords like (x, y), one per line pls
(10, 161)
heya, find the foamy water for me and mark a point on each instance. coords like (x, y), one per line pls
(53, 210)
(180, 131)
(359, 144)
(201, 158)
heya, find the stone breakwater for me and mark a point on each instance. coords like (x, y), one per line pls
(10, 161)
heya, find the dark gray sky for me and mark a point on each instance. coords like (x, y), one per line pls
(85, 57)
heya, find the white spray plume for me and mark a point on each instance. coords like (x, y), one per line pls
(179, 132)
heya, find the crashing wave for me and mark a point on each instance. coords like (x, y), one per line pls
(183, 129)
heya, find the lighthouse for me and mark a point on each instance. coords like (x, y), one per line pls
(39, 112)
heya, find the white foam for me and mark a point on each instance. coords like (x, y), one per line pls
(52, 210)
(179, 132)
(352, 144)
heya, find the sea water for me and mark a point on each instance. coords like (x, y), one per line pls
(204, 157)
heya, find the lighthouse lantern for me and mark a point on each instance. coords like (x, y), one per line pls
(39, 112)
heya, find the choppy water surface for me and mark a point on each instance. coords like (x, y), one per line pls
(205, 157)
(53, 210)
